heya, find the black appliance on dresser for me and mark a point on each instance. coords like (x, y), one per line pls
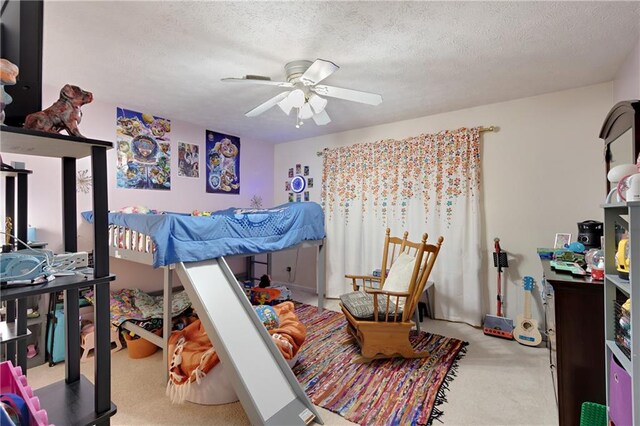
(589, 233)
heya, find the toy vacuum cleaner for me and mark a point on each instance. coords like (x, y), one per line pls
(497, 325)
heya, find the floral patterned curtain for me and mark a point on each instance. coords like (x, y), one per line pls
(428, 183)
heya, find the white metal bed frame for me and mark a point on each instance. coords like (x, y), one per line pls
(127, 244)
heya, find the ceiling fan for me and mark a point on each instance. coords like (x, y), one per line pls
(305, 94)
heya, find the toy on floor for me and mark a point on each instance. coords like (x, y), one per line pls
(265, 281)
(497, 325)
(87, 339)
(263, 296)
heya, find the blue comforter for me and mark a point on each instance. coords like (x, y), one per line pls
(183, 238)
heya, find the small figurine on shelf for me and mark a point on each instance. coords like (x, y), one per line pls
(8, 227)
(8, 75)
(64, 114)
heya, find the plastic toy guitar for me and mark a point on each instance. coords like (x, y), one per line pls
(526, 331)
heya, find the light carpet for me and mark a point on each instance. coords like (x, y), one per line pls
(381, 392)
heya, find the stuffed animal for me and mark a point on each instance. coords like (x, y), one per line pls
(8, 75)
(265, 281)
(64, 114)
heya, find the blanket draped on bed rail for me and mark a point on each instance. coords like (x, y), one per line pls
(185, 238)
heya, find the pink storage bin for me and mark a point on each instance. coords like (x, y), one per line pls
(13, 381)
(619, 394)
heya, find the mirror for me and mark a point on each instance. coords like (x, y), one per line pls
(621, 150)
(621, 134)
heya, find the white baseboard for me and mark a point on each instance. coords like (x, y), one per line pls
(294, 286)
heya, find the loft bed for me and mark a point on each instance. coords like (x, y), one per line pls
(162, 240)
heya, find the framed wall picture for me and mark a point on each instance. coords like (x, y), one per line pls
(562, 241)
(143, 145)
(188, 160)
(223, 163)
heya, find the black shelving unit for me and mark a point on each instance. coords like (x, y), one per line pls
(74, 400)
(11, 176)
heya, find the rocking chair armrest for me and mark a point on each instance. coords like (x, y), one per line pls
(387, 292)
(354, 280)
(363, 277)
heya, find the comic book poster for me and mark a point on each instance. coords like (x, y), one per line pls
(143, 149)
(188, 160)
(223, 163)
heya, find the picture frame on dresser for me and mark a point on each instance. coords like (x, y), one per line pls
(561, 240)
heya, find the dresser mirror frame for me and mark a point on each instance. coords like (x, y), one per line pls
(624, 117)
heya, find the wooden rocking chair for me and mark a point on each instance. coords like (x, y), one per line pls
(380, 309)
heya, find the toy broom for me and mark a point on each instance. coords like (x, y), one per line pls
(497, 325)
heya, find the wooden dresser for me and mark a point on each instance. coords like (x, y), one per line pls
(575, 325)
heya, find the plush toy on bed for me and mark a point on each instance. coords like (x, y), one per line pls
(135, 209)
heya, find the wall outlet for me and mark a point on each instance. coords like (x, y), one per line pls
(65, 261)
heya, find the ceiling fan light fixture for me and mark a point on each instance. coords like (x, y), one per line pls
(317, 103)
(305, 94)
(305, 112)
(285, 105)
(296, 98)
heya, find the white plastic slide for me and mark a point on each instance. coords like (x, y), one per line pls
(267, 388)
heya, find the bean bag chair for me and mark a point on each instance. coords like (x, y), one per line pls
(195, 372)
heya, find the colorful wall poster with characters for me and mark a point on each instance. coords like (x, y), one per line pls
(143, 149)
(223, 163)
(188, 160)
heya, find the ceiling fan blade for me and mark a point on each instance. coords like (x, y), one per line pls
(256, 79)
(348, 94)
(266, 105)
(318, 71)
(321, 118)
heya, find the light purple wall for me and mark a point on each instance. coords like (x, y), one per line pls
(186, 194)
(626, 85)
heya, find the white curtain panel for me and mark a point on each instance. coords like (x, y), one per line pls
(424, 184)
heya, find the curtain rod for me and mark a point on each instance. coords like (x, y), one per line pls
(482, 130)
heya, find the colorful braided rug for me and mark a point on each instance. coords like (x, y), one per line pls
(382, 392)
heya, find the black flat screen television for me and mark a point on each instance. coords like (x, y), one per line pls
(21, 43)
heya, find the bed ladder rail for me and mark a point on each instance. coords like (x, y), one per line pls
(251, 263)
(267, 388)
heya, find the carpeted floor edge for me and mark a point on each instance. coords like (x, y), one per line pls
(441, 396)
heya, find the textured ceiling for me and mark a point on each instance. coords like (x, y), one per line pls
(422, 57)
